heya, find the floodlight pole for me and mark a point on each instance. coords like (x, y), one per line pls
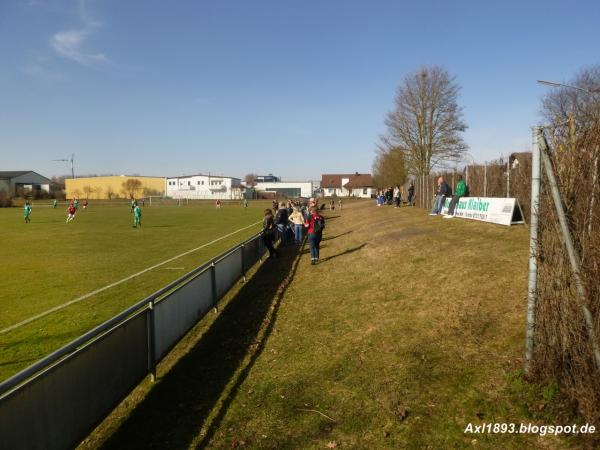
(533, 244)
(569, 86)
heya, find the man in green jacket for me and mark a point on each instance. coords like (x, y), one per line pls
(460, 191)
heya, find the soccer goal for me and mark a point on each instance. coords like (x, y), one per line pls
(157, 200)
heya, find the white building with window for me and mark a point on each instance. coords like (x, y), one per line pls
(289, 189)
(205, 187)
(348, 185)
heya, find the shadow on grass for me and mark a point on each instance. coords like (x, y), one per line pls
(174, 411)
(345, 252)
(329, 238)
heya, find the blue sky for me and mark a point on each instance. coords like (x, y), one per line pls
(296, 88)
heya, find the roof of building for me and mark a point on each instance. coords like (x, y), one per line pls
(354, 180)
(13, 173)
(204, 175)
(520, 155)
(9, 174)
(360, 181)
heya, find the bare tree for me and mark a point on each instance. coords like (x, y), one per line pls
(131, 186)
(110, 192)
(87, 190)
(426, 123)
(250, 179)
(573, 113)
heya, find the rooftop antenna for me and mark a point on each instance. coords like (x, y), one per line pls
(71, 159)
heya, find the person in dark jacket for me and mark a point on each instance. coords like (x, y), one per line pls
(315, 225)
(411, 194)
(269, 230)
(281, 220)
(460, 191)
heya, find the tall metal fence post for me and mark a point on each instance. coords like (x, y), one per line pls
(533, 245)
(485, 179)
(213, 284)
(243, 264)
(508, 177)
(151, 342)
(571, 251)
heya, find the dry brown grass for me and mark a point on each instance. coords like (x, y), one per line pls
(410, 328)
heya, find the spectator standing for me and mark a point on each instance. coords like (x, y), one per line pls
(340, 203)
(460, 191)
(281, 220)
(268, 234)
(397, 196)
(298, 223)
(315, 225)
(411, 194)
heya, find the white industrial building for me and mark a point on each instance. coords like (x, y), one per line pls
(204, 187)
(290, 189)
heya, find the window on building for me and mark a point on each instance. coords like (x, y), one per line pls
(330, 191)
(364, 191)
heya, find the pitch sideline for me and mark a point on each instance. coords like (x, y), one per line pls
(116, 283)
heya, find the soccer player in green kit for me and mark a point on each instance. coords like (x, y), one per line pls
(137, 216)
(76, 204)
(54, 203)
(27, 212)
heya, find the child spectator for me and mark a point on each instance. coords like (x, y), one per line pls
(315, 225)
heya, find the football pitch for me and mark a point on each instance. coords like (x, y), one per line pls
(73, 276)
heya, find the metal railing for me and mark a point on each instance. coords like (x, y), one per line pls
(56, 402)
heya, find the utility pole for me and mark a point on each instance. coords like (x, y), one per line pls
(485, 179)
(69, 160)
(508, 177)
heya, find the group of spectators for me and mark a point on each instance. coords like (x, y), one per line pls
(289, 223)
(395, 195)
(444, 192)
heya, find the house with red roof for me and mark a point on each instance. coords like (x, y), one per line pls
(356, 184)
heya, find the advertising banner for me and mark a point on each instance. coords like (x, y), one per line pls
(503, 211)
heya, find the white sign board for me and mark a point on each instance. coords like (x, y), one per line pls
(503, 211)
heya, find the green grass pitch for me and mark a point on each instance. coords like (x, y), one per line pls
(49, 262)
